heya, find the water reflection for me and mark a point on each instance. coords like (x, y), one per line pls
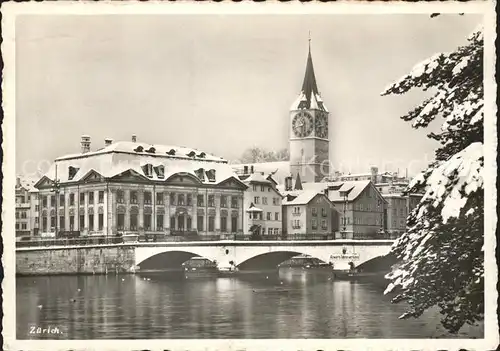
(290, 303)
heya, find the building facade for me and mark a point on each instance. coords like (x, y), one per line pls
(140, 189)
(309, 138)
(309, 213)
(26, 207)
(397, 210)
(262, 203)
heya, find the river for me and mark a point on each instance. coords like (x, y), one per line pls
(293, 303)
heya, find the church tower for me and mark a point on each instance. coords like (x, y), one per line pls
(309, 142)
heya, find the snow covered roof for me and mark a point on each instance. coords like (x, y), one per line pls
(309, 97)
(278, 170)
(303, 198)
(153, 162)
(27, 183)
(337, 189)
(255, 178)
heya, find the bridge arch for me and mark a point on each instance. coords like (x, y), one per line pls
(269, 260)
(167, 260)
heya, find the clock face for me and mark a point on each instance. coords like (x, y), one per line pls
(302, 124)
(321, 126)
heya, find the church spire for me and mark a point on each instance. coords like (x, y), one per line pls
(309, 97)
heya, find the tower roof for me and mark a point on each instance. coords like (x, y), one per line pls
(309, 97)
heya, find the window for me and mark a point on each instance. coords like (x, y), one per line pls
(82, 198)
(180, 200)
(401, 211)
(44, 201)
(234, 224)
(276, 216)
(44, 223)
(323, 224)
(61, 223)
(201, 200)
(268, 189)
(101, 197)
(254, 187)
(52, 201)
(81, 223)
(223, 224)
(120, 225)
(91, 198)
(159, 198)
(160, 171)
(314, 211)
(17, 214)
(188, 223)
(17, 226)
(147, 197)
(100, 221)
(37, 208)
(260, 216)
(270, 231)
(223, 201)
(361, 207)
(91, 222)
(133, 197)
(268, 217)
(314, 224)
(147, 222)
(61, 199)
(200, 221)
(133, 222)
(189, 200)
(256, 200)
(159, 223)
(211, 201)
(23, 226)
(264, 200)
(52, 223)
(234, 202)
(324, 212)
(71, 222)
(394, 213)
(71, 199)
(172, 223)
(172, 198)
(120, 196)
(262, 188)
(211, 223)
(24, 214)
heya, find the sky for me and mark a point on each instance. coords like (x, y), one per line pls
(223, 83)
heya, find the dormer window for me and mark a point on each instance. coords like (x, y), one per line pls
(139, 149)
(171, 152)
(191, 154)
(200, 173)
(211, 175)
(201, 155)
(160, 171)
(72, 172)
(151, 150)
(148, 170)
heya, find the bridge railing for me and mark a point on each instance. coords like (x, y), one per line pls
(83, 241)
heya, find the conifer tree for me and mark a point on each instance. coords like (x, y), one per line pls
(441, 255)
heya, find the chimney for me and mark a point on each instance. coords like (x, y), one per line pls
(108, 141)
(374, 173)
(18, 181)
(134, 138)
(85, 143)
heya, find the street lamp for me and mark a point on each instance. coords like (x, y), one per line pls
(56, 189)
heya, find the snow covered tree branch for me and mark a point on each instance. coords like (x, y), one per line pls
(441, 254)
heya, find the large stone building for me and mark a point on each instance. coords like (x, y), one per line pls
(140, 189)
(262, 204)
(309, 140)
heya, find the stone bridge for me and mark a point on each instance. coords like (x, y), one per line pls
(258, 255)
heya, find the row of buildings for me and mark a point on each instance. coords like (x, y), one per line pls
(134, 188)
